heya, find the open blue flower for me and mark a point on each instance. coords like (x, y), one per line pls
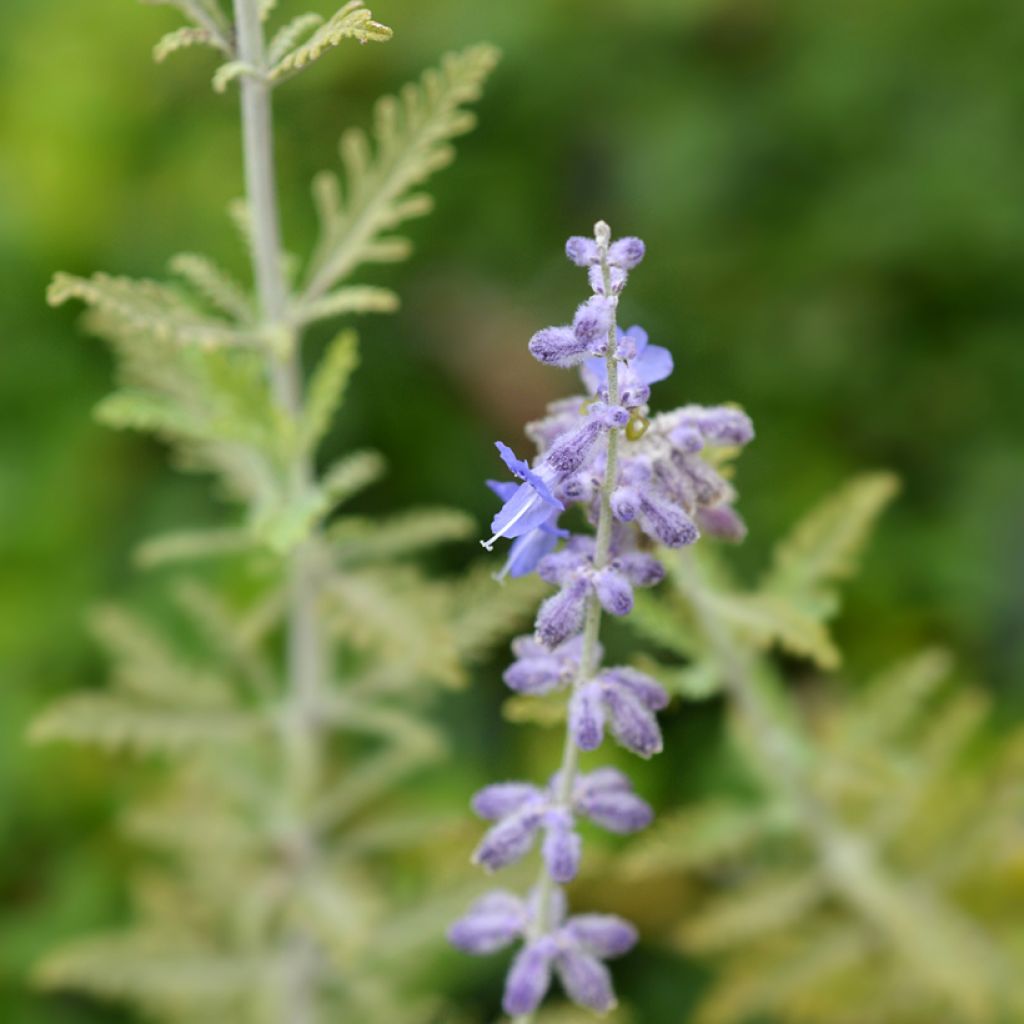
(529, 548)
(643, 364)
(529, 507)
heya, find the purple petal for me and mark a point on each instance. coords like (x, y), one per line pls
(653, 364)
(529, 977)
(722, 521)
(632, 342)
(527, 551)
(603, 935)
(536, 675)
(524, 512)
(560, 567)
(586, 716)
(646, 690)
(618, 811)
(625, 503)
(502, 798)
(559, 346)
(626, 252)
(633, 725)
(592, 324)
(562, 848)
(504, 489)
(666, 523)
(616, 279)
(587, 982)
(507, 841)
(722, 425)
(613, 591)
(490, 924)
(602, 780)
(561, 616)
(569, 454)
(642, 570)
(581, 251)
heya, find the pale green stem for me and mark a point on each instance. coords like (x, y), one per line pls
(927, 932)
(592, 622)
(303, 632)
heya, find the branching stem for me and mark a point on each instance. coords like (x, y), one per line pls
(301, 730)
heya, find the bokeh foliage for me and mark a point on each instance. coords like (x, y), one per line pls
(831, 199)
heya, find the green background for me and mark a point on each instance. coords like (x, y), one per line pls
(832, 199)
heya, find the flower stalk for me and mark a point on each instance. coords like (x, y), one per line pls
(636, 480)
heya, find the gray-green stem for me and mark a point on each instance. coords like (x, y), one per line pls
(300, 728)
(592, 620)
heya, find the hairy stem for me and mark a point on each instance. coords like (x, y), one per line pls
(925, 930)
(303, 632)
(592, 621)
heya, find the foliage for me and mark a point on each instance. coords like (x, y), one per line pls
(283, 719)
(872, 871)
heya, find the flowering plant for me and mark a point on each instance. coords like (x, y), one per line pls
(639, 480)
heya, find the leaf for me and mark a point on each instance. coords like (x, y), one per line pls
(147, 305)
(412, 136)
(289, 35)
(351, 474)
(182, 38)
(117, 723)
(825, 545)
(484, 612)
(155, 969)
(353, 21)
(700, 680)
(764, 620)
(191, 545)
(770, 904)
(342, 301)
(358, 541)
(703, 837)
(327, 388)
(664, 622)
(214, 284)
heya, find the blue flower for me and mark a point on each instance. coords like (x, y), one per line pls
(643, 364)
(529, 507)
(529, 548)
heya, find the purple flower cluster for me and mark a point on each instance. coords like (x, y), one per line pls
(641, 481)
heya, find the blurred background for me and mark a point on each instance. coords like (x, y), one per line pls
(832, 202)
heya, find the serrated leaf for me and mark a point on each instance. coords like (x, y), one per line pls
(183, 38)
(702, 837)
(825, 545)
(351, 474)
(353, 21)
(663, 622)
(412, 141)
(765, 619)
(116, 723)
(153, 968)
(148, 306)
(215, 284)
(367, 540)
(771, 903)
(343, 301)
(191, 545)
(327, 388)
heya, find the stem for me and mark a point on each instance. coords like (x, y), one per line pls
(592, 621)
(926, 931)
(301, 734)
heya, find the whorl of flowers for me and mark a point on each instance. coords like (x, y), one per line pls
(640, 481)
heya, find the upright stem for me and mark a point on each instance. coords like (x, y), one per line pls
(592, 621)
(303, 633)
